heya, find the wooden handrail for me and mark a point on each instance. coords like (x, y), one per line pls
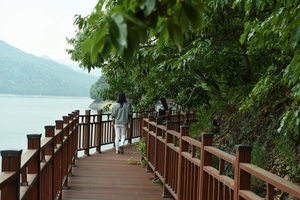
(195, 173)
(6, 178)
(273, 180)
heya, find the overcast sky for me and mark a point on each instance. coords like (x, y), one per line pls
(40, 27)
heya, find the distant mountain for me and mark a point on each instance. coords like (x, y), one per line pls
(95, 72)
(25, 74)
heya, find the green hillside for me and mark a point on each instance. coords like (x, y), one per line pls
(25, 74)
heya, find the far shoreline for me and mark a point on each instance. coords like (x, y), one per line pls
(40, 96)
(95, 104)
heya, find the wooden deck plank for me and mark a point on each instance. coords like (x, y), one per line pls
(108, 176)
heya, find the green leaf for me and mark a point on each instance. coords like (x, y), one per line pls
(86, 46)
(163, 34)
(258, 4)
(235, 3)
(133, 39)
(134, 20)
(98, 39)
(99, 6)
(128, 56)
(194, 14)
(121, 25)
(148, 6)
(95, 51)
(246, 31)
(107, 48)
(184, 22)
(296, 67)
(248, 6)
(93, 18)
(175, 33)
(118, 32)
(295, 36)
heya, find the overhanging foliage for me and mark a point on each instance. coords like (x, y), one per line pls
(225, 58)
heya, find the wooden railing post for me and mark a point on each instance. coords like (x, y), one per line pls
(66, 155)
(34, 143)
(159, 120)
(205, 160)
(76, 122)
(59, 124)
(184, 131)
(178, 120)
(47, 189)
(49, 151)
(86, 133)
(186, 117)
(158, 151)
(170, 125)
(148, 142)
(242, 180)
(99, 131)
(11, 162)
(130, 130)
(58, 158)
(72, 144)
(49, 131)
(145, 115)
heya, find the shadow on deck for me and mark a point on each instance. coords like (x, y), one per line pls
(108, 176)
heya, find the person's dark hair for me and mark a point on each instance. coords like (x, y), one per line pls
(164, 103)
(121, 98)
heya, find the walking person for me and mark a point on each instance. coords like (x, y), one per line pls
(121, 113)
(162, 109)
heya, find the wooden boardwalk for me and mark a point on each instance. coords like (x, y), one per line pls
(108, 176)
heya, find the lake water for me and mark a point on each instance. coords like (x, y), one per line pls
(22, 115)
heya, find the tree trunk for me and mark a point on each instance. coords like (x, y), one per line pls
(247, 74)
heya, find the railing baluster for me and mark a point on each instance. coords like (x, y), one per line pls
(270, 192)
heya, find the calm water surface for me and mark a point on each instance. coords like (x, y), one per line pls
(22, 115)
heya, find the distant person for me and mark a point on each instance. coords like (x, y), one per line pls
(121, 113)
(163, 108)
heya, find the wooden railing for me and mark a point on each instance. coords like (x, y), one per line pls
(42, 171)
(188, 169)
(192, 169)
(95, 130)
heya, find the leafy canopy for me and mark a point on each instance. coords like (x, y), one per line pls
(216, 56)
(119, 27)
